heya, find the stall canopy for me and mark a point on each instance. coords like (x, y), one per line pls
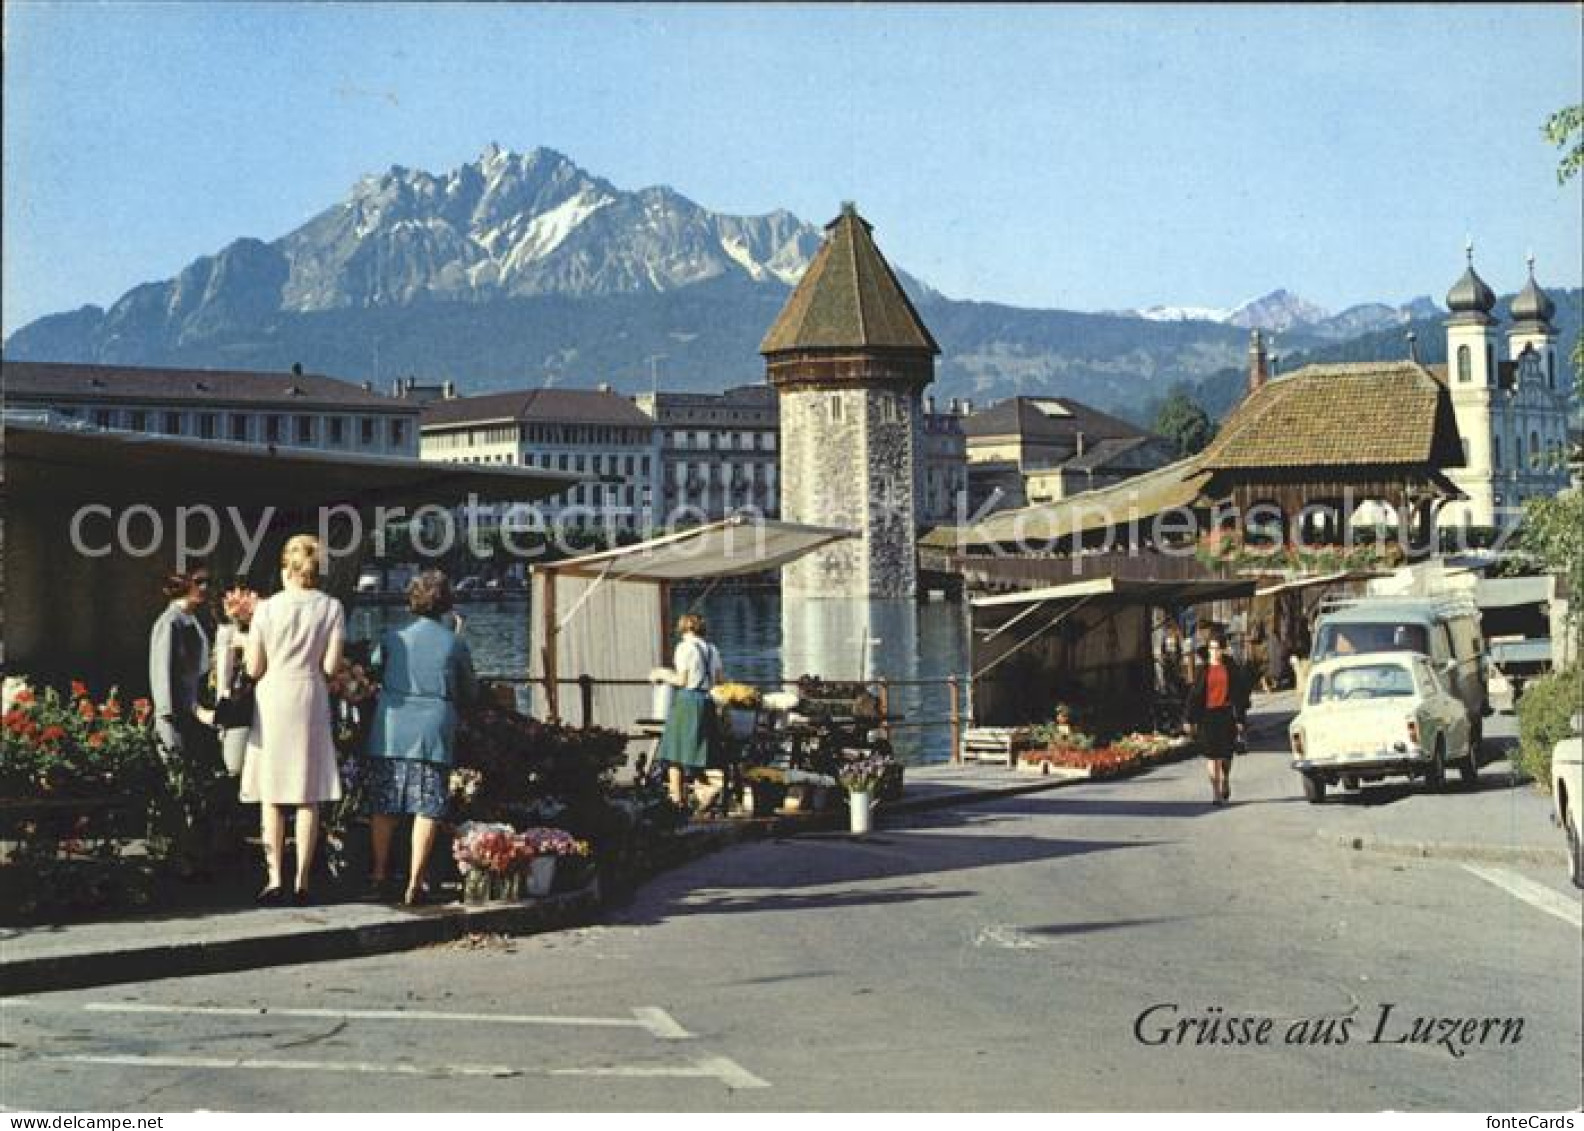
(1086, 644)
(608, 615)
(66, 485)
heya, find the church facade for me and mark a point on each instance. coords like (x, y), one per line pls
(1512, 410)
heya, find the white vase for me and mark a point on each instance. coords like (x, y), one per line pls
(860, 811)
(541, 875)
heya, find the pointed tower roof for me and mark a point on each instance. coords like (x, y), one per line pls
(849, 298)
(1470, 295)
(1533, 308)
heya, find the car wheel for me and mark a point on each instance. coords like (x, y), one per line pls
(1435, 774)
(1469, 768)
(1314, 788)
(1575, 851)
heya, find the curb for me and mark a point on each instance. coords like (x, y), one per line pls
(174, 960)
(1452, 850)
(442, 924)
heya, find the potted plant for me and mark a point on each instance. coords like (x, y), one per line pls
(492, 859)
(765, 789)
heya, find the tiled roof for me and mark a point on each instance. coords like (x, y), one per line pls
(1341, 415)
(558, 406)
(1141, 497)
(113, 383)
(1023, 416)
(849, 298)
(1106, 452)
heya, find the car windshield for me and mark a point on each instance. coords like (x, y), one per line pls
(1359, 639)
(1366, 681)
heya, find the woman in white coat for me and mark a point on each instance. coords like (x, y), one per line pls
(294, 645)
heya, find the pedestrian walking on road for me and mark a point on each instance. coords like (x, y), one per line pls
(293, 647)
(689, 741)
(426, 677)
(1217, 707)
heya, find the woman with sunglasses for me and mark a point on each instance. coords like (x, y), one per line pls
(178, 666)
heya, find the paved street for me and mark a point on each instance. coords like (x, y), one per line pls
(995, 956)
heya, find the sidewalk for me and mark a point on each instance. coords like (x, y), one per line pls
(215, 940)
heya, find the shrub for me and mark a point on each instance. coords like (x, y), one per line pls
(1544, 718)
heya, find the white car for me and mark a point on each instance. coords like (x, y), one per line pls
(1385, 714)
(1567, 793)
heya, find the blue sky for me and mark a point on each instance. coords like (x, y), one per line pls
(1082, 157)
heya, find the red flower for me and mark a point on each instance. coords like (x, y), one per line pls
(85, 710)
(96, 739)
(111, 709)
(25, 695)
(142, 709)
(79, 689)
(52, 734)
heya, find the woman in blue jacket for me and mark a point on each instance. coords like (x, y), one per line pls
(427, 675)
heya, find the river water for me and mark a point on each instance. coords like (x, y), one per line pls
(764, 640)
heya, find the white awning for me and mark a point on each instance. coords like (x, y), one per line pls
(728, 548)
(1320, 579)
(1126, 591)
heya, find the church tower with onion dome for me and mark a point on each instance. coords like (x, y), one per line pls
(1511, 413)
(849, 358)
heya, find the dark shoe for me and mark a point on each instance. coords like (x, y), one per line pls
(416, 898)
(1226, 794)
(302, 897)
(380, 891)
(270, 897)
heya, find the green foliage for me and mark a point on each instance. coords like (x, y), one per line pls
(1184, 422)
(1565, 130)
(1553, 532)
(1545, 718)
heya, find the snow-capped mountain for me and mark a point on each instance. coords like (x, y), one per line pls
(1281, 311)
(523, 224)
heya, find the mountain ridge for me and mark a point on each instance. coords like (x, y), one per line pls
(517, 269)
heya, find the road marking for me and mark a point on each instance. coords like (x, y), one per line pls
(1536, 895)
(661, 1025)
(721, 1068)
(657, 1022)
(354, 1066)
(1006, 937)
(727, 1071)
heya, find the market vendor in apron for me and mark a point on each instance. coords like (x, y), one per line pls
(689, 741)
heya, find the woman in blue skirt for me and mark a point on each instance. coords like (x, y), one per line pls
(688, 742)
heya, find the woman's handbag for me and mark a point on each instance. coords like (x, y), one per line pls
(236, 709)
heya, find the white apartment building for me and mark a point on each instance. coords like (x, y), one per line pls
(718, 452)
(590, 431)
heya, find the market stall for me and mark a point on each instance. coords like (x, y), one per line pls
(1087, 645)
(609, 616)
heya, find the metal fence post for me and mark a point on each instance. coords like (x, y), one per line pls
(885, 708)
(956, 720)
(586, 695)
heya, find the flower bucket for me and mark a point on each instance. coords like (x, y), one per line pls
(480, 887)
(541, 876)
(860, 812)
(740, 722)
(660, 701)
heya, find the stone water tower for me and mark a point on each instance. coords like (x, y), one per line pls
(850, 357)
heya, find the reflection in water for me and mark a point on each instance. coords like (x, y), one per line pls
(763, 641)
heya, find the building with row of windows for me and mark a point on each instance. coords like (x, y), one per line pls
(292, 410)
(591, 431)
(719, 452)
